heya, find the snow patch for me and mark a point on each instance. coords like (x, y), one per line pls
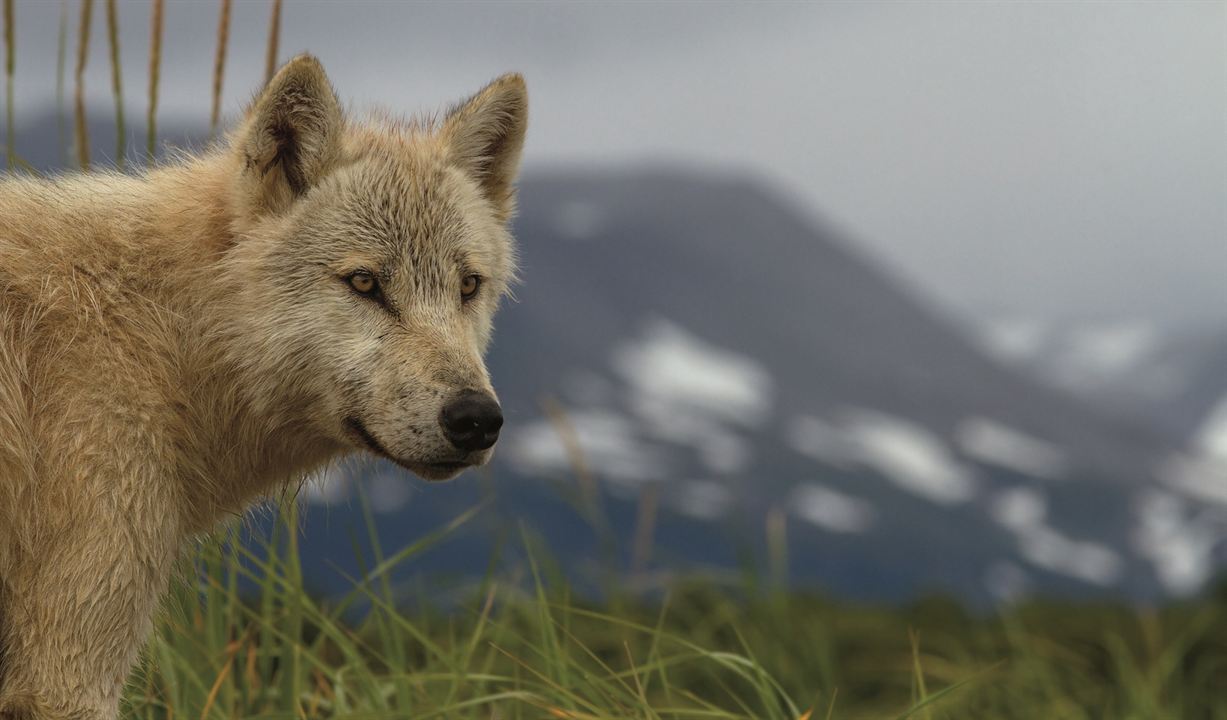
(994, 443)
(682, 391)
(818, 439)
(1087, 561)
(1110, 348)
(1022, 511)
(720, 450)
(1082, 357)
(1019, 509)
(832, 510)
(1211, 438)
(606, 441)
(1179, 543)
(1200, 477)
(670, 366)
(910, 456)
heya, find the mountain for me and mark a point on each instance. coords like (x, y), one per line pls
(1174, 380)
(714, 361)
(690, 368)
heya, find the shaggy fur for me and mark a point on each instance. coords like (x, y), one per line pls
(175, 345)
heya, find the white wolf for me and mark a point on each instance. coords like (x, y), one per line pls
(176, 344)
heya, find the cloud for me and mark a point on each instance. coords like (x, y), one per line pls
(1067, 160)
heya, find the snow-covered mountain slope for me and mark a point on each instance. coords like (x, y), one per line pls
(1171, 379)
(706, 361)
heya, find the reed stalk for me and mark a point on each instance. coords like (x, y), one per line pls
(777, 549)
(117, 85)
(274, 39)
(155, 67)
(10, 64)
(82, 132)
(61, 68)
(219, 65)
(645, 527)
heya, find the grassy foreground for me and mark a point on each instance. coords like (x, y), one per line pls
(250, 642)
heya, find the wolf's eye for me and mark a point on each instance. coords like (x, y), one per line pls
(364, 283)
(469, 286)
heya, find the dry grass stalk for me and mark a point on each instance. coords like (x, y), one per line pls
(590, 502)
(274, 39)
(155, 67)
(219, 65)
(10, 63)
(569, 438)
(645, 527)
(117, 86)
(82, 133)
(61, 65)
(777, 547)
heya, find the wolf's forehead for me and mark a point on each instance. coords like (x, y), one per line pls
(410, 205)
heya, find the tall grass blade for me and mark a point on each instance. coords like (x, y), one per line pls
(293, 607)
(920, 689)
(155, 68)
(117, 84)
(219, 65)
(82, 131)
(274, 39)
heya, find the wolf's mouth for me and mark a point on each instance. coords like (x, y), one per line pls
(355, 427)
(441, 470)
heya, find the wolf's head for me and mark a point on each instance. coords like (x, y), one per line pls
(372, 257)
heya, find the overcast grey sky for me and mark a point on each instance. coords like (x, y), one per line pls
(1062, 160)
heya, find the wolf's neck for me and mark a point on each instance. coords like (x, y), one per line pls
(245, 434)
(238, 453)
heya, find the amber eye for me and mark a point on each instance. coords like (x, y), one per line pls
(364, 283)
(469, 286)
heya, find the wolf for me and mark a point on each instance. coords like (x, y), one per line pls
(177, 344)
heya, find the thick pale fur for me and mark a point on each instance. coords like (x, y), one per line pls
(175, 345)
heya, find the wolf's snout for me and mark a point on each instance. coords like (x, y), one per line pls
(472, 420)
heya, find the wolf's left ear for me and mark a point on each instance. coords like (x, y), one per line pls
(291, 136)
(485, 135)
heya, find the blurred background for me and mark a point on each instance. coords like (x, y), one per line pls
(884, 299)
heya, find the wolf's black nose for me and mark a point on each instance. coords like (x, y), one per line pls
(472, 420)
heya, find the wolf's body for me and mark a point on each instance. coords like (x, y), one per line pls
(174, 345)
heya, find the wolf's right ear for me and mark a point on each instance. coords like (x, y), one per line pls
(291, 136)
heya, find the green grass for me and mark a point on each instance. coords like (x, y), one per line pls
(530, 649)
